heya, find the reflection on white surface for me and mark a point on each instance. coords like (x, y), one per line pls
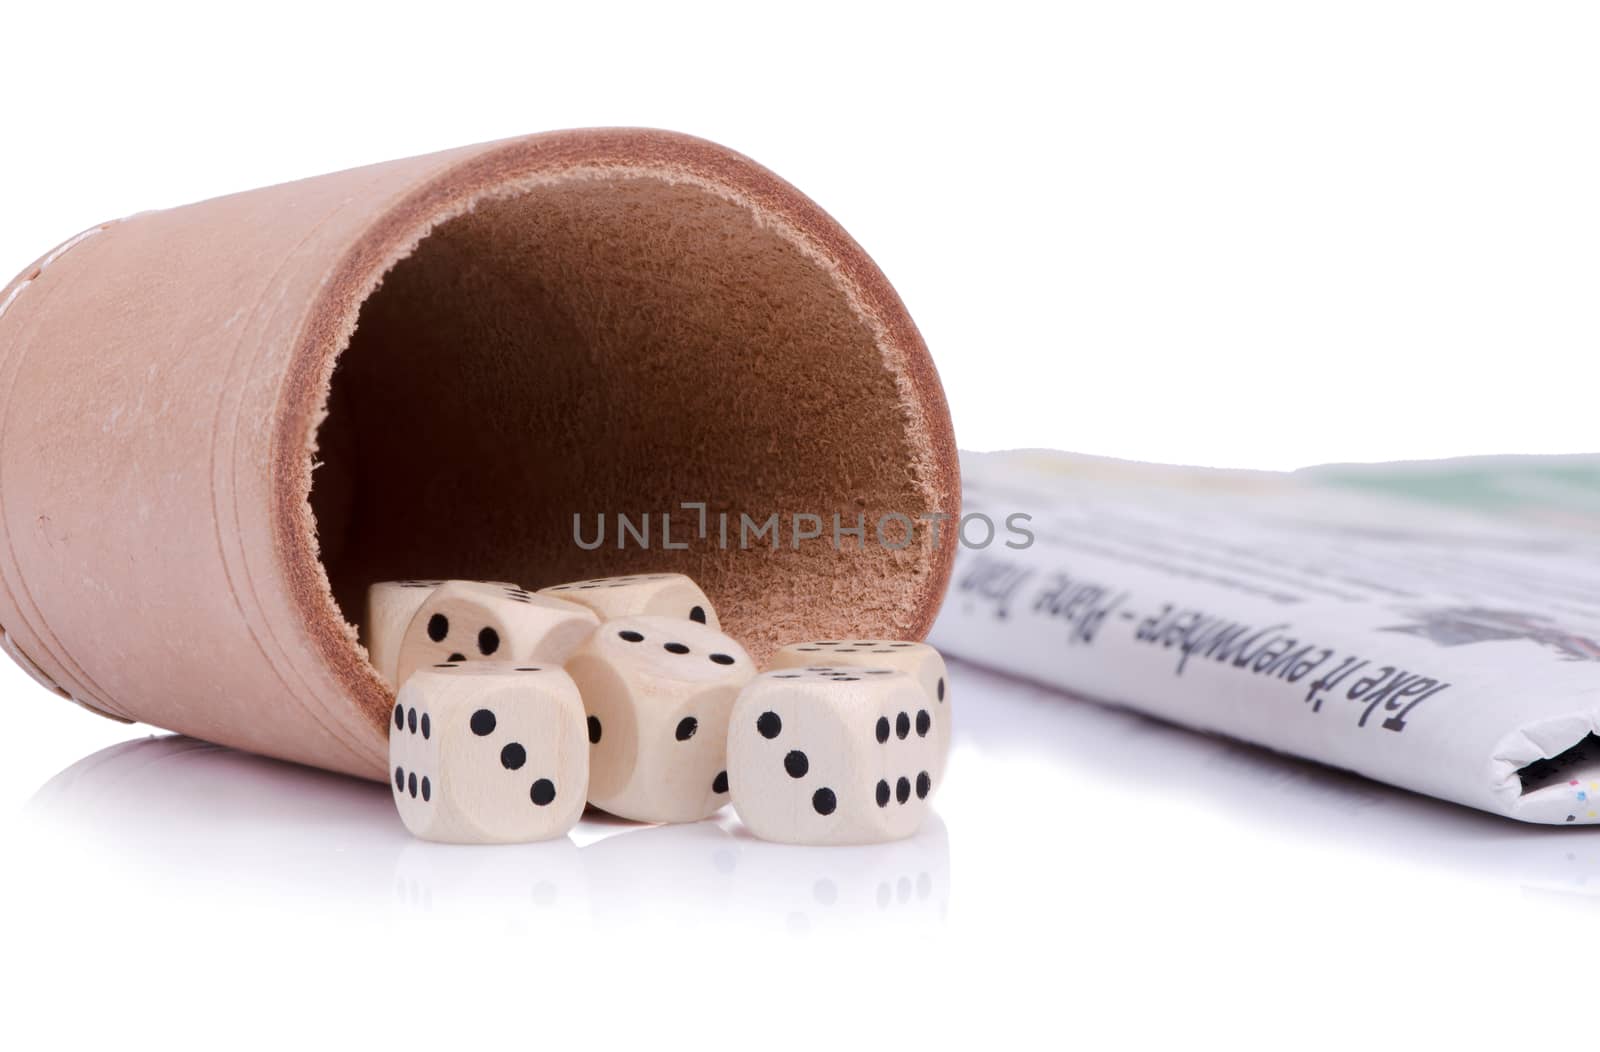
(199, 818)
(204, 817)
(905, 883)
(1058, 795)
(1278, 794)
(516, 888)
(712, 871)
(1089, 865)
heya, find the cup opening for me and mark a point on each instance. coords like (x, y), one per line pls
(624, 343)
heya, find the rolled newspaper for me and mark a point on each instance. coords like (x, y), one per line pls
(1435, 626)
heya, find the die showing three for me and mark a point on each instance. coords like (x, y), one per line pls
(658, 691)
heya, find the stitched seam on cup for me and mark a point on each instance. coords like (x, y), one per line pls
(100, 706)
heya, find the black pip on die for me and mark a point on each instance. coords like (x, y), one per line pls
(657, 594)
(658, 691)
(489, 753)
(833, 755)
(918, 660)
(390, 607)
(463, 621)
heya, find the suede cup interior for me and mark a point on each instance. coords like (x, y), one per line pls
(606, 345)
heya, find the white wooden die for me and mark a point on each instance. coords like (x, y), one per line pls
(655, 594)
(658, 691)
(833, 755)
(918, 660)
(390, 607)
(463, 621)
(489, 753)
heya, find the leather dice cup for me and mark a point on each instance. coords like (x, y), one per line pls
(223, 421)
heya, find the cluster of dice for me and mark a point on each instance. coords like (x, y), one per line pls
(517, 708)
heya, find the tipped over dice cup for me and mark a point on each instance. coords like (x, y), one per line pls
(369, 412)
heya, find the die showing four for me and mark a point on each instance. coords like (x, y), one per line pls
(488, 753)
(833, 755)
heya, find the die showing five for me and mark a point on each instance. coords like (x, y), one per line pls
(484, 752)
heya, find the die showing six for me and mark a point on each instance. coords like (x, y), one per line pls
(833, 755)
(917, 660)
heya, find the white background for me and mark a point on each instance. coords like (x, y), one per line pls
(1256, 235)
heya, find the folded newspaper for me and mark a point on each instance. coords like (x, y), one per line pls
(1431, 625)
